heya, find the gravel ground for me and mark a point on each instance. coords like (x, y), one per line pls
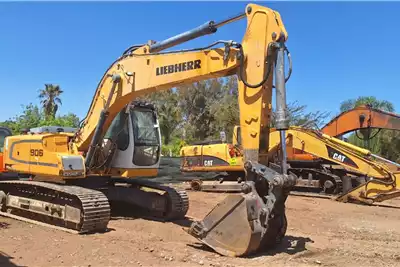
(321, 232)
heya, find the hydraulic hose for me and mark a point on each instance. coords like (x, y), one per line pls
(266, 75)
(271, 57)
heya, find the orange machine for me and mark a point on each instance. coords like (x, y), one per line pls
(4, 132)
(363, 118)
(359, 118)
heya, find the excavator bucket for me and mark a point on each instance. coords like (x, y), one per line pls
(256, 217)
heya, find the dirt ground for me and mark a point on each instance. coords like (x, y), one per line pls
(321, 232)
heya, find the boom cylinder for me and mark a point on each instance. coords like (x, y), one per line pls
(209, 27)
(282, 122)
(386, 160)
(103, 117)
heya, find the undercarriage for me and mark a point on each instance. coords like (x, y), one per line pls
(85, 206)
(321, 180)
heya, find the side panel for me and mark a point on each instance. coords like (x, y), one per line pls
(209, 158)
(43, 155)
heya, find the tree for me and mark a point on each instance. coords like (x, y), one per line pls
(69, 120)
(226, 110)
(50, 99)
(169, 114)
(366, 100)
(32, 117)
(195, 102)
(299, 117)
(200, 111)
(390, 145)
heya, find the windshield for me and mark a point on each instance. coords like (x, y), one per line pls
(119, 130)
(146, 138)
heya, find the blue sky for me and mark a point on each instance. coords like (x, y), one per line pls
(340, 50)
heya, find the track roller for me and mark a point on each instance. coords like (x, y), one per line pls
(68, 208)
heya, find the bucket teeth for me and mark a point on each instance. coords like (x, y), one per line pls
(198, 230)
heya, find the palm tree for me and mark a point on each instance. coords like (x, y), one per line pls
(50, 99)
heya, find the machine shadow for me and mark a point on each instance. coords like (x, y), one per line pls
(386, 206)
(120, 210)
(290, 245)
(130, 212)
(5, 261)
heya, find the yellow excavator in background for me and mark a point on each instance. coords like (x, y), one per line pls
(320, 162)
(352, 173)
(79, 172)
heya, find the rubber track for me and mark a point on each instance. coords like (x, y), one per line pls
(95, 207)
(338, 181)
(339, 184)
(178, 199)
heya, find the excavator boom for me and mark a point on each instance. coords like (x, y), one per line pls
(361, 117)
(119, 138)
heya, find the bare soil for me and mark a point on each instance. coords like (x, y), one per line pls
(321, 232)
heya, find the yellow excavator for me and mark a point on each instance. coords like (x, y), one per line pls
(339, 168)
(222, 156)
(352, 173)
(77, 173)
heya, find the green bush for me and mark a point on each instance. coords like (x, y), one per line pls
(174, 147)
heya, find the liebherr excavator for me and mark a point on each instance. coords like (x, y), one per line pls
(78, 171)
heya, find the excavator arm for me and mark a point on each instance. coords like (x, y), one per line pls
(146, 69)
(382, 185)
(331, 149)
(258, 213)
(361, 117)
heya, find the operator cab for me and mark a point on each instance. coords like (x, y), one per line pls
(135, 132)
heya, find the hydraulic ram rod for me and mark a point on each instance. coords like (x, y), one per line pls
(209, 27)
(386, 160)
(282, 122)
